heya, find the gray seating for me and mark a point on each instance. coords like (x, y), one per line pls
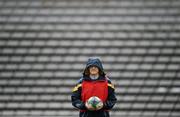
(44, 46)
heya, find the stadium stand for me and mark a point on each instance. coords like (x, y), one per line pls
(44, 45)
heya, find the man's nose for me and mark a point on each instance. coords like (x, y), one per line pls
(94, 67)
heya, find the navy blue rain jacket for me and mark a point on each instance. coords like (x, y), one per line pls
(76, 93)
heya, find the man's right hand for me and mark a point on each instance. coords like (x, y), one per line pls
(89, 107)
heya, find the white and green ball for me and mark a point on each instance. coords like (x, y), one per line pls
(95, 102)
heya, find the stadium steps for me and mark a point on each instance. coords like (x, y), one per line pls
(44, 46)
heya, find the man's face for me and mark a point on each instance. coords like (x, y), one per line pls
(93, 70)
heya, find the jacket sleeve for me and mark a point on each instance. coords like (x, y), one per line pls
(76, 96)
(111, 100)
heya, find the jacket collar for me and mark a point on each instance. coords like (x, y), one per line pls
(100, 78)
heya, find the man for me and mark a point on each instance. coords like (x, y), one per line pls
(93, 83)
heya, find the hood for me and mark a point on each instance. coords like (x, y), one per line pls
(96, 62)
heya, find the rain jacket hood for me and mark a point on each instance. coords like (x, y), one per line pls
(94, 62)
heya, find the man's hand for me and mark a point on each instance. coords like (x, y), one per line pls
(89, 107)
